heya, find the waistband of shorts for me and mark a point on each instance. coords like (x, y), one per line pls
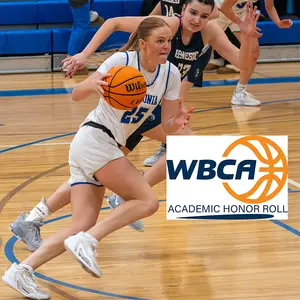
(103, 128)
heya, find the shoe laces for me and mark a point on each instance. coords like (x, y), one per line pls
(36, 225)
(93, 247)
(30, 276)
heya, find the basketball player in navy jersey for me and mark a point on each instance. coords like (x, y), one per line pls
(170, 8)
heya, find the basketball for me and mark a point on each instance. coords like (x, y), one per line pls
(126, 87)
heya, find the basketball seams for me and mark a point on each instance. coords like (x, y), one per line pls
(127, 94)
(113, 86)
(119, 103)
(109, 86)
(122, 99)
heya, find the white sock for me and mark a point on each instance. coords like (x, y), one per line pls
(40, 211)
(240, 87)
(90, 237)
(27, 267)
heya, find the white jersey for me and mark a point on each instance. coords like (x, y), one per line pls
(238, 6)
(164, 82)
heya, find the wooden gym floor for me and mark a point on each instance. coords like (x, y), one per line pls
(203, 260)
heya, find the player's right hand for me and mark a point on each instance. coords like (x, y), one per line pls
(74, 63)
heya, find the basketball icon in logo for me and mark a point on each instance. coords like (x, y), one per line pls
(272, 169)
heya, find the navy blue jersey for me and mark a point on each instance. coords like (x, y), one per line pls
(191, 58)
(171, 7)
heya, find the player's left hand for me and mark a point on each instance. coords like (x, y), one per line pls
(248, 25)
(182, 117)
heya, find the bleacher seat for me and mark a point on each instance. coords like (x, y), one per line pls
(273, 35)
(16, 42)
(14, 13)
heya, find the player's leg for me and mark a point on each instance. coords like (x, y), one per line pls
(240, 95)
(141, 203)
(27, 226)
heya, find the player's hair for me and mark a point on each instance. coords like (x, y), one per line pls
(205, 2)
(144, 30)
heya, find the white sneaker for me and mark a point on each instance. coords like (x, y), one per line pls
(93, 16)
(21, 279)
(150, 161)
(83, 247)
(244, 98)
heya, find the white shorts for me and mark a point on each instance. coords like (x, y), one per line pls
(224, 22)
(90, 150)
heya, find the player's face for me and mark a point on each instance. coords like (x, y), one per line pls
(195, 16)
(158, 45)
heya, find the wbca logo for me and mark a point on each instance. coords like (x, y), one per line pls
(227, 177)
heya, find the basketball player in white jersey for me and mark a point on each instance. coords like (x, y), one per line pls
(96, 160)
(27, 226)
(232, 12)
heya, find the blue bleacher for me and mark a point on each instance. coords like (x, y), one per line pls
(55, 40)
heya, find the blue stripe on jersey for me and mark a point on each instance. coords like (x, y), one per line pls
(127, 58)
(169, 71)
(139, 67)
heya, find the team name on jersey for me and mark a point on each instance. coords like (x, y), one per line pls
(150, 99)
(172, 1)
(186, 55)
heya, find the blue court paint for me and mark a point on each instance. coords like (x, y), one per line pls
(287, 227)
(9, 253)
(268, 80)
(37, 142)
(196, 111)
(36, 92)
(11, 242)
(208, 83)
(12, 258)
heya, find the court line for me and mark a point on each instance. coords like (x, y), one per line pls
(9, 253)
(37, 141)
(283, 225)
(286, 226)
(196, 111)
(206, 83)
(295, 183)
(44, 144)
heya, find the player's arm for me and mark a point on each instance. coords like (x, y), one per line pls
(215, 13)
(272, 12)
(156, 10)
(89, 86)
(226, 9)
(94, 83)
(126, 24)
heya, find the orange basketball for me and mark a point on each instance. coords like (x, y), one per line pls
(126, 87)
